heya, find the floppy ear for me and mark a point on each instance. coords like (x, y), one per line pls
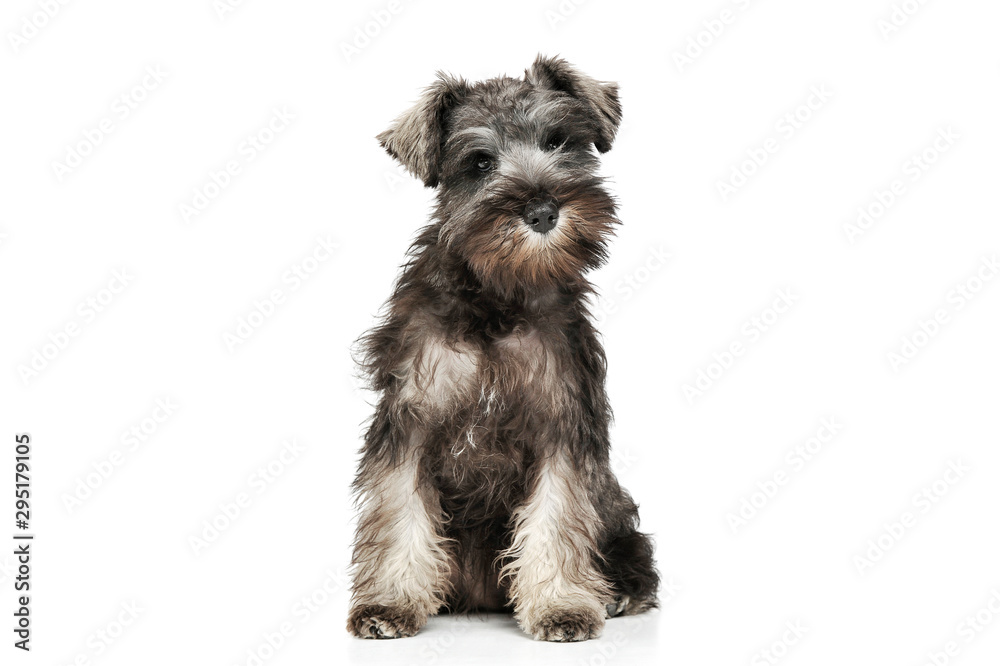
(600, 96)
(415, 138)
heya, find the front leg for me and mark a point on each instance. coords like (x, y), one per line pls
(400, 563)
(558, 593)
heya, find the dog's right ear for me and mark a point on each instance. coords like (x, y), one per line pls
(416, 137)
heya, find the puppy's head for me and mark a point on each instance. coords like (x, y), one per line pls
(519, 199)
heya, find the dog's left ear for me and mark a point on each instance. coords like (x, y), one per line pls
(416, 137)
(600, 96)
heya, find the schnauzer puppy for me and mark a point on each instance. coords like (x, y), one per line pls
(485, 481)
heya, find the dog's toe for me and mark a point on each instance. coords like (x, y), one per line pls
(563, 626)
(383, 622)
(619, 606)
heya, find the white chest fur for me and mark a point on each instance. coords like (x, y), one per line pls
(445, 374)
(439, 372)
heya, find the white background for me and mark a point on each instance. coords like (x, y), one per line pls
(728, 593)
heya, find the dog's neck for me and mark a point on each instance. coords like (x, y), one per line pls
(456, 294)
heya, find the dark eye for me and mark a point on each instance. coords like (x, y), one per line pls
(483, 163)
(555, 140)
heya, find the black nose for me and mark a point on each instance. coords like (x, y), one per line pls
(541, 215)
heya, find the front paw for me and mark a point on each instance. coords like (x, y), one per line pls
(375, 621)
(566, 625)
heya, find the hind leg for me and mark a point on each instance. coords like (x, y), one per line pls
(628, 564)
(626, 554)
